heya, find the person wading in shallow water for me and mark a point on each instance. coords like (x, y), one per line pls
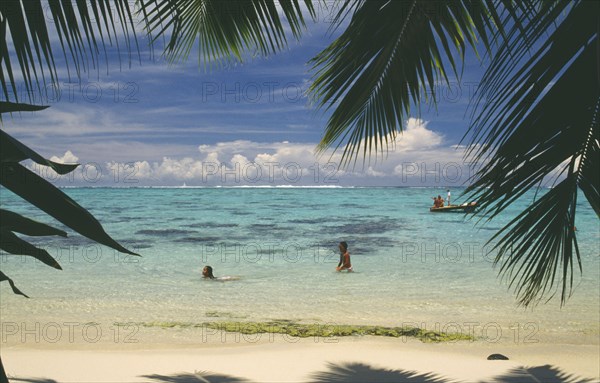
(344, 263)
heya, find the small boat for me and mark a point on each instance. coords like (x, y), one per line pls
(464, 208)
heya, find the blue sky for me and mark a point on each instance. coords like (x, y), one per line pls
(167, 125)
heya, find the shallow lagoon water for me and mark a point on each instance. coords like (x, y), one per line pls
(412, 266)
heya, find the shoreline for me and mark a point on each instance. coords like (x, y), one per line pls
(110, 334)
(354, 358)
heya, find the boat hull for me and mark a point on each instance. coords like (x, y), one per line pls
(464, 208)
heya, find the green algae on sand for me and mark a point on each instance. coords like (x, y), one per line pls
(302, 330)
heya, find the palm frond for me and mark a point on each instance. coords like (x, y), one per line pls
(389, 53)
(45, 196)
(42, 194)
(12, 244)
(4, 277)
(497, 84)
(539, 243)
(223, 29)
(17, 223)
(13, 150)
(85, 29)
(589, 163)
(11, 107)
(538, 118)
(82, 28)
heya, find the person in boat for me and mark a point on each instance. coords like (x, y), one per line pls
(344, 263)
(448, 190)
(438, 202)
(207, 272)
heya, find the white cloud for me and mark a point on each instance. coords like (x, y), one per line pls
(72, 122)
(67, 158)
(417, 136)
(417, 156)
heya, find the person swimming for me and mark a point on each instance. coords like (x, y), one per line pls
(207, 273)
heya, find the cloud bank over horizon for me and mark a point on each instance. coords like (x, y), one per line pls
(417, 157)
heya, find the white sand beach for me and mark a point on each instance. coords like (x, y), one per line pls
(351, 359)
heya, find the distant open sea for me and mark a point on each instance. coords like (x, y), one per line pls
(412, 266)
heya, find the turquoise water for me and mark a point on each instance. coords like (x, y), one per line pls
(411, 266)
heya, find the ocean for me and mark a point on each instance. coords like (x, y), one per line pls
(280, 244)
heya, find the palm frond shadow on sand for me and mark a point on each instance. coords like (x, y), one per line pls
(361, 372)
(547, 373)
(198, 377)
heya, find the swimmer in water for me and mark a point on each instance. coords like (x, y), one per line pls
(207, 272)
